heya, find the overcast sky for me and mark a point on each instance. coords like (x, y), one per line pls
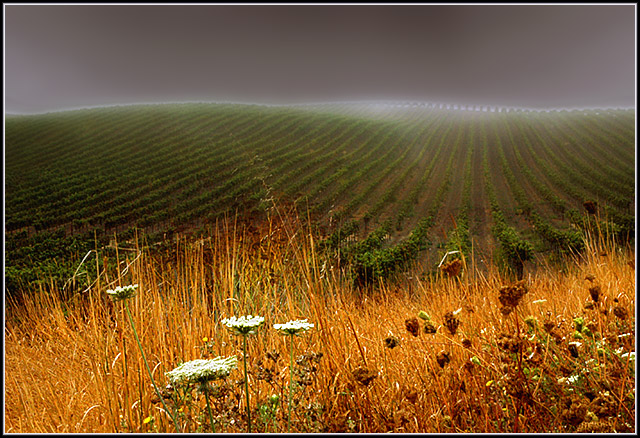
(67, 56)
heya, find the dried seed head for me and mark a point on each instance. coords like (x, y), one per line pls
(466, 343)
(591, 207)
(509, 343)
(412, 326)
(364, 376)
(510, 296)
(573, 348)
(452, 268)
(443, 358)
(576, 412)
(601, 426)
(411, 396)
(595, 293)
(620, 312)
(430, 328)
(451, 322)
(273, 355)
(391, 342)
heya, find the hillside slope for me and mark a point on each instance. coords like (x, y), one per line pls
(178, 167)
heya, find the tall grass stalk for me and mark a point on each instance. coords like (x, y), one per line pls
(61, 355)
(146, 364)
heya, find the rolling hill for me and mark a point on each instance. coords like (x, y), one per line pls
(392, 182)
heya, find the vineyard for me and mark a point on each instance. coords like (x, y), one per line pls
(200, 268)
(380, 189)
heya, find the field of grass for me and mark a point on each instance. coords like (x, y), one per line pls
(472, 352)
(445, 177)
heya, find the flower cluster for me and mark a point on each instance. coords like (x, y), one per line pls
(203, 370)
(245, 325)
(122, 292)
(293, 327)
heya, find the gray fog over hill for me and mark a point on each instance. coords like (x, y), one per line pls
(68, 56)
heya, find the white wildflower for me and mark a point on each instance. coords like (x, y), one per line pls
(245, 325)
(293, 327)
(573, 379)
(122, 292)
(202, 370)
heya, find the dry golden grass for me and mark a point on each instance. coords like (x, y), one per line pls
(73, 365)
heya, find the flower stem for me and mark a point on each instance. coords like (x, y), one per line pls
(246, 381)
(206, 396)
(290, 381)
(146, 364)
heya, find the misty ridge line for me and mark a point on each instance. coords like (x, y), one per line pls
(364, 103)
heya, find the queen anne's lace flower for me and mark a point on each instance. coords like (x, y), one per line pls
(293, 327)
(122, 292)
(245, 325)
(203, 370)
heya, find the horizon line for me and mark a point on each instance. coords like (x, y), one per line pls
(454, 106)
